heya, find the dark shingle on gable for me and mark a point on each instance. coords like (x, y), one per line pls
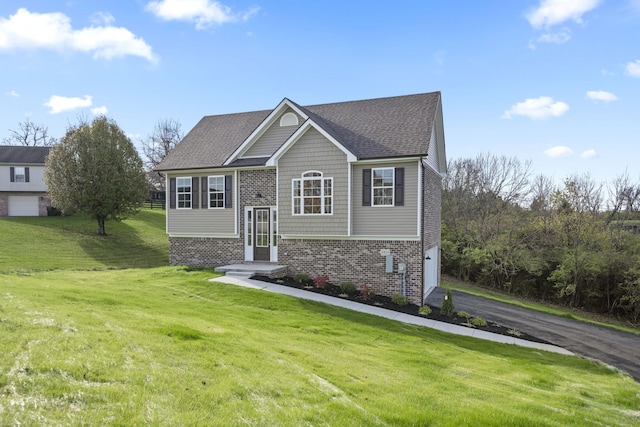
(376, 128)
(21, 154)
(384, 127)
(212, 140)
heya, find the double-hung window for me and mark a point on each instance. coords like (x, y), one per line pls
(216, 191)
(183, 188)
(19, 174)
(312, 194)
(383, 185)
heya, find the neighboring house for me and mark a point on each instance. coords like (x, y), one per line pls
(23, 191)
(323, 189)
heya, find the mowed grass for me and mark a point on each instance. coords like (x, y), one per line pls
(98, 331)
(165, 346)
(72, 242)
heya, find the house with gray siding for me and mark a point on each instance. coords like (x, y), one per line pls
(349, 189)
(23, 191)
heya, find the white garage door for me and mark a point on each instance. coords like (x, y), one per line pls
(23, 206)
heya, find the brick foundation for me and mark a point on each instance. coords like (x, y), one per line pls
(357, 261)
(205, 252)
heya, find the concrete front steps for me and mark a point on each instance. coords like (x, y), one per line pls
(246, 271)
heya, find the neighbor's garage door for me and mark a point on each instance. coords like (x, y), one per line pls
(23, 206)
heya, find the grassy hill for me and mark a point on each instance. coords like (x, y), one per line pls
(72, 242)
(93, 344)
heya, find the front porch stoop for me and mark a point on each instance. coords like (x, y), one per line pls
(250, 270)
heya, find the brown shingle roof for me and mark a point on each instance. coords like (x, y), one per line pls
(22, 154)
(376, 128)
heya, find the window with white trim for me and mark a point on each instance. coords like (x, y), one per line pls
(216, 191)
(382, 186)
(312, 194)
(183, 191)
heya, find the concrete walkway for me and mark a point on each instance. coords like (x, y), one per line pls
(389, 314)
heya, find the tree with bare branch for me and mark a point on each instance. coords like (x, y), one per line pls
(166, 135)
(30, 134)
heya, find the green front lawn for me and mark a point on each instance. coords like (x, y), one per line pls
(165, 346)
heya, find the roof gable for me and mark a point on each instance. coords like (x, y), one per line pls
(393, 127)
(269, 121)
(21, 154)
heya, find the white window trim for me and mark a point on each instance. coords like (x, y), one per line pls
(289, 119)
(393, 188)
(209, 192)
(16, 174)
(178, 193)
(300, 199)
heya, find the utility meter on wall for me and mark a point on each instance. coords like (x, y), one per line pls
(402, 267)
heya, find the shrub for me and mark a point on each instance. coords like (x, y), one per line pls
(399, 299)
(301, 278)
(425, 310)
(447, 308)
(366, 293)
(321, 281)
(478, 321)
(347, 287)
(464, 314)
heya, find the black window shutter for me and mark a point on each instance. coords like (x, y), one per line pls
(366, 187)
(204, 189)
(195, 193)
(399, 182)
(227, 191)
(172, 193)
(26, 174)
(12, 174)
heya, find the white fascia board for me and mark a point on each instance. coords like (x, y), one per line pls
(207, 171)
(389, 160)
(266, 123)
(297, 134)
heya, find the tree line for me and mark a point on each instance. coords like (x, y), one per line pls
(571, 244)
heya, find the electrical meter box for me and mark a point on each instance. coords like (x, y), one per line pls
(402, 267)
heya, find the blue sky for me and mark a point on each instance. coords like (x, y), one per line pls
(556, 82)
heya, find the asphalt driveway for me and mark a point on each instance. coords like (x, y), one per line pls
(615, 348)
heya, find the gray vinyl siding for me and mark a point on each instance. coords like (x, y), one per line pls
(386, 221)
(203, 221)
(272, 138)
(313, 152)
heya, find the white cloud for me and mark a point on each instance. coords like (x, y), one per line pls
(560, 37)
(600, 95)
(59, 104)
(99, 18)
(26, 30)
(558, 151)
(553, 12)
(13, 93)
(589, 154)
(99, 111)
(537, 108)
(633, 68)
(204, 13)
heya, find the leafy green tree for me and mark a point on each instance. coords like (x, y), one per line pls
(95, 169)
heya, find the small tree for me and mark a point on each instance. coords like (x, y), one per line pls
(447, 308)
(95, 169)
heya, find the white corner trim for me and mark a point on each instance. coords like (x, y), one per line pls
(266, 123)
(298, 134)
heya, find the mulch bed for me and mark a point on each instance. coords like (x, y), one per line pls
(412, 309)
